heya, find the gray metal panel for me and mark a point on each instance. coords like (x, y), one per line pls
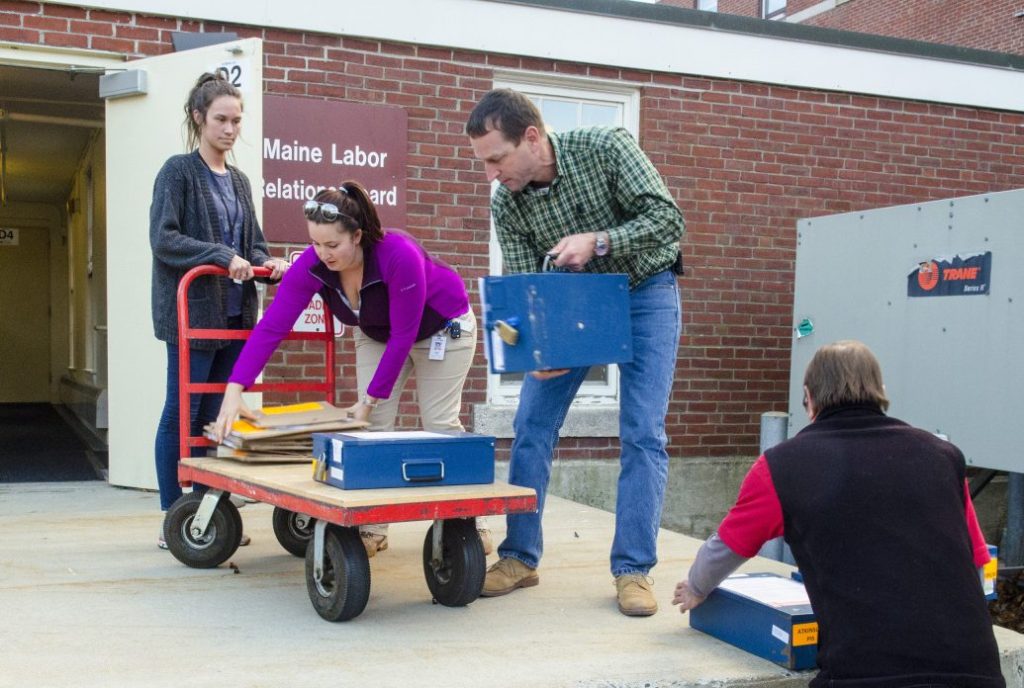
(951, 364)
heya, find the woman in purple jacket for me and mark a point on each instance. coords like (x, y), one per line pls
(411, 310)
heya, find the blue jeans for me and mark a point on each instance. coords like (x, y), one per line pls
(204, 366)
(645, 384)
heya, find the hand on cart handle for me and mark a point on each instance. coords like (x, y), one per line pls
(240, 269)
(231, 408)
(277, 267)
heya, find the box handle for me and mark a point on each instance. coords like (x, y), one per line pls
(423, 470)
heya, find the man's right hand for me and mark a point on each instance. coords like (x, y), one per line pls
(548, 374)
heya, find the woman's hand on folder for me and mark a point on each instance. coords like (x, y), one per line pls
(230, 409)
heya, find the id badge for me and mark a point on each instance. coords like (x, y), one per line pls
(437, 345)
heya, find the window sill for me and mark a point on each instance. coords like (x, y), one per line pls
(581, 421)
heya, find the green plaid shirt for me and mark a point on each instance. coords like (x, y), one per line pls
(604, 182)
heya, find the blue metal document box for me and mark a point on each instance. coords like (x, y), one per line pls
(550, 320)
(765, 614)
(358, 460)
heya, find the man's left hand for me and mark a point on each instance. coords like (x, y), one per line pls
(574, 251)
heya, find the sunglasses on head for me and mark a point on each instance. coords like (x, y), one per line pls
(327, 211)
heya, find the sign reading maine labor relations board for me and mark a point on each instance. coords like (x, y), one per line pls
(312, 144)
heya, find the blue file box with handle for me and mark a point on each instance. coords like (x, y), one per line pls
(551, 320)
(765, 614)
(360, 460)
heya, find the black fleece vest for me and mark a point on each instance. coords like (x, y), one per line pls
(874, 512)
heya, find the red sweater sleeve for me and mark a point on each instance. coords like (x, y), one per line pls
(756, 517)
(978, 546)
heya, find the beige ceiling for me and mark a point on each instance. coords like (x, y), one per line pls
(50, 116)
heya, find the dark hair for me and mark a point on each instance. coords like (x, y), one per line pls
(845, 372)
(508, 111)
(208, 88)
(356, 208)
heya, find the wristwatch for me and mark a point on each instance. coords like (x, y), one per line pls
(601, 243)
(371, 404)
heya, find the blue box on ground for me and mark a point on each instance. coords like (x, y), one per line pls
(550, 320)
(765, 614)
(359, 460)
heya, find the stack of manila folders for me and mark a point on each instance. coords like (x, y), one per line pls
(282, 434)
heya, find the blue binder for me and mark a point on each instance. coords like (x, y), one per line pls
(765, 614)
(360, 460)
(560, 320)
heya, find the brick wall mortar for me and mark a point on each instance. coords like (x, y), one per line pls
(745, 161)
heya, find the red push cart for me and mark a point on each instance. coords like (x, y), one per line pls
(317, 521)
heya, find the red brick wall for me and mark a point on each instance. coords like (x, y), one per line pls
(988, 25)
(744, 160)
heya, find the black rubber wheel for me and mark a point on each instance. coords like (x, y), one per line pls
(293, 530)
(460, 577)
(222, 535)
(344, 588)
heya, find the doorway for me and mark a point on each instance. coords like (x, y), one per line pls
(52, 274)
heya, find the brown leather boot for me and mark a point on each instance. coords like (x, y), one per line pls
(507, 575)
(635, 593)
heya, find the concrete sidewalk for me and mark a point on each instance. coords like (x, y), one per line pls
(87, 599)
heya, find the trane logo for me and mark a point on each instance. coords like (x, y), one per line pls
(954, 274)
(928, 275)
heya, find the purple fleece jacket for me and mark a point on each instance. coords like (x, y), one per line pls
(407, 295)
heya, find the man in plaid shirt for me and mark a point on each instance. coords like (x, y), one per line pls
(591, 198)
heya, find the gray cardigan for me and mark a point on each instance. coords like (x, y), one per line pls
(184, 232)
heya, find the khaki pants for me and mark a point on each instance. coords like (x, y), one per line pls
(438, 385)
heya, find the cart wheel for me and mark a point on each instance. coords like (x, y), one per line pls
(222, 535)
(293, 530)
(460, 577)
(342, 592)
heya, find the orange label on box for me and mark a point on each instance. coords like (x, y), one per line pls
(805, 634)
(991, 569)
(292, 408)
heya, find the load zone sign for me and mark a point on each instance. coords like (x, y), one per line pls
(962, 274)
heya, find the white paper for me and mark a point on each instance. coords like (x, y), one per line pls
(396, 435)
(780, 634)
(771, 590)
(497, 350)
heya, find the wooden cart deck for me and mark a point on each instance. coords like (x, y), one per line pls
(291, 486)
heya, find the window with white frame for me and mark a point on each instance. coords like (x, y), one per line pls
(707, 5)
(773, 9)
(567, 104)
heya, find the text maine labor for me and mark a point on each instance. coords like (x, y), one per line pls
(273, 149)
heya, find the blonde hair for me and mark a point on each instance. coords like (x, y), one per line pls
(845, 372)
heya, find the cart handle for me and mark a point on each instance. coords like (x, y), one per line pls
(186, 388)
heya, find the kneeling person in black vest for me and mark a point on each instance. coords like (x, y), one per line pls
(881, 524)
